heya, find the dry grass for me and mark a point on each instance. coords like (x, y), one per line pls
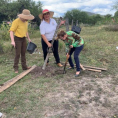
(112, 27)
(91, 95)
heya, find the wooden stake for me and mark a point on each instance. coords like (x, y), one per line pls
(82, 67)
(95, 67)
(15, 79)
(93, 70)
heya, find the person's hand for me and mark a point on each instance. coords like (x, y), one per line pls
(29, 40)
(67, 55)
(71, 46)
(49, 45)
(13, 43)
(62, 22)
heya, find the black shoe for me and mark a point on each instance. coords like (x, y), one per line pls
(76, 75)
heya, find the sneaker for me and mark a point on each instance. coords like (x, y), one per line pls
(60, 65)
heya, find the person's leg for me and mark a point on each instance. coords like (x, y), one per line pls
(17, 53)
(70, 59)
(76, 58)
(44, 48)
(23, 51)
(55, 51)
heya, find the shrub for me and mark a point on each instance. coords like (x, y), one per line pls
(1, 48)
(4, 31)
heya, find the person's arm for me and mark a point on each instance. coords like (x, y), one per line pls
(75, 44)
(11, 31)
(12, 38)
(27, 35)
(46, 41)
(62, 23)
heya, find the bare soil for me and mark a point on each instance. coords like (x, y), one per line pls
(81, 97)
(48, 72)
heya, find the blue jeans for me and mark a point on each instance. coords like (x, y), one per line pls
(76, 51)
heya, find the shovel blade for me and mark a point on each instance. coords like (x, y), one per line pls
(64, 72)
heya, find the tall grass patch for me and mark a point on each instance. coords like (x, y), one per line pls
(100, 48)
(113, 27)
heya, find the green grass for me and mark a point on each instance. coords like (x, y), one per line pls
(28, 97)
(100, 46)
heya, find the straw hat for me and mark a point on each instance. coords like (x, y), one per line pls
(26, 15)
(45, 11)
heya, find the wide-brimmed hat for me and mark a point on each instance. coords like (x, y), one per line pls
(26, 15)
(45, 11)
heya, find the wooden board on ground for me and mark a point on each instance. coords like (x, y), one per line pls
(93, 70)
(90, 68)
(15, 79)
(82, 67)
(97, 68)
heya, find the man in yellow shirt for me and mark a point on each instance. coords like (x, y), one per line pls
(18, 34)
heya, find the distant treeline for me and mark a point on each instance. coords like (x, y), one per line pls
(85, 18)
(9, 9)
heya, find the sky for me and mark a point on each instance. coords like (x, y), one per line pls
(60, 7)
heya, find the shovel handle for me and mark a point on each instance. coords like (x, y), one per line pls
(66, 63)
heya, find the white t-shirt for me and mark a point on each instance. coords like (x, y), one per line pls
(48, 29)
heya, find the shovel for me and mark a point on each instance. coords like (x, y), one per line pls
(67, 57)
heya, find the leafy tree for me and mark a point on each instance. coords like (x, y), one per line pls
(3, 4)
(116, 14)
(76, 14)
(35, 8)
(108, 16)
(9, 9)
(115, 6)
(82, 17)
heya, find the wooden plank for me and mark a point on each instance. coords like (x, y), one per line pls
(93, 70)
(82, 67)
(94, 67)
(15, 79)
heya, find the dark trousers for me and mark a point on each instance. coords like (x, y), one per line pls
(76, 51)
(20, 49)
(55, 50)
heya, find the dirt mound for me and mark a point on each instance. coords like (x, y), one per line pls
(48, 72)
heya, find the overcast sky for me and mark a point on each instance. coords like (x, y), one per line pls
(60, 7)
